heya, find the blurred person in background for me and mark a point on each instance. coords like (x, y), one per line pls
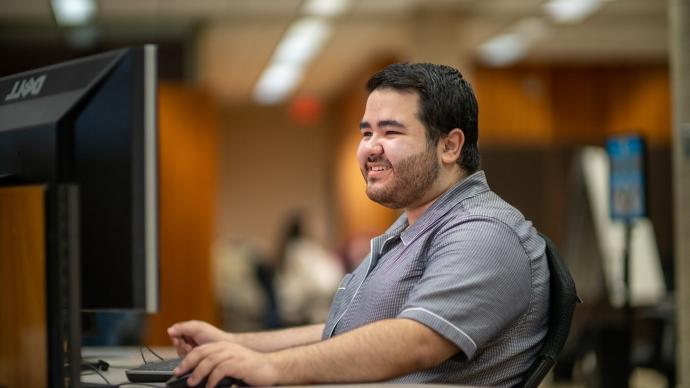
(261, 291)
(243, 279)
(306, 276)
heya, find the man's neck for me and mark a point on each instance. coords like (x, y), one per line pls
(443, 184)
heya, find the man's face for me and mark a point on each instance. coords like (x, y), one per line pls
(394, 156)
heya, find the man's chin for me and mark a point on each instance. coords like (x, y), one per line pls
(383, 199)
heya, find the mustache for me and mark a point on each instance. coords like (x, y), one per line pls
(378, 159)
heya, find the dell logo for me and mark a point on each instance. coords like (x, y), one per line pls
(30, 86)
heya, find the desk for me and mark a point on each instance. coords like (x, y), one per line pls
(122, 358)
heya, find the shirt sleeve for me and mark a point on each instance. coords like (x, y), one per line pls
(476, 281)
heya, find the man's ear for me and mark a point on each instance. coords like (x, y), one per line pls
(451, 145)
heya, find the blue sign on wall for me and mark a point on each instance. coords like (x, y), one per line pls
(627, 177)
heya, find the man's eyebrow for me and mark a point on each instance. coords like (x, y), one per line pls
(382, 123)
(391, 123)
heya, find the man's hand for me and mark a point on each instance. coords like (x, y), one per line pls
(190, 334)
(219, 359)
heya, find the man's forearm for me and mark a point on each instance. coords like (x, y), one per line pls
(271, 341)
(379, 351)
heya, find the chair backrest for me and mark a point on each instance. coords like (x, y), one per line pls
(563, 300)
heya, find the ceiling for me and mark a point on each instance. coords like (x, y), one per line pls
(231, 41)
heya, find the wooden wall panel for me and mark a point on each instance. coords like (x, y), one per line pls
(23, 343)
(639, 99)
(593, 103)
(572, 106)
(188, 123)
(579, 106)
(514, 106)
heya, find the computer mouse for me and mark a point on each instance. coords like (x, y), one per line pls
(181, 382)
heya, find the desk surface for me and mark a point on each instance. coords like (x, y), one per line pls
(122, 358)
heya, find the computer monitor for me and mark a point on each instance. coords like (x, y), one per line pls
(91, 122)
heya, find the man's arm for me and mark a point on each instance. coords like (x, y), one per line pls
(274, 340)
(379, 351)
(188, 335)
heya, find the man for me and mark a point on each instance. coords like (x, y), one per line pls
(456, 291)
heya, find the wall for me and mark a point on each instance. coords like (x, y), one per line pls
(562, 105)
(188, 122)
(271, 166)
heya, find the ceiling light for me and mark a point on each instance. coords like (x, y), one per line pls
(302, 41)
(276, 82)
(531, 28)
(503, 50)
(570, 11)
(326, 8)
(73, 12)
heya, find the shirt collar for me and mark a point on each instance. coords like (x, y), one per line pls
(466, 188)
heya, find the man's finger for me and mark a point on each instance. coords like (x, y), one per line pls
(181, 351)
(206, 358)
(193, 357)
(219, 372)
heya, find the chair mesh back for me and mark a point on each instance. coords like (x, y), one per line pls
(563, 300)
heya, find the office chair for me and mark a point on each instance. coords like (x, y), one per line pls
(563, 300)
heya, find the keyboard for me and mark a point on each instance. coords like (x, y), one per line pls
(153, 372)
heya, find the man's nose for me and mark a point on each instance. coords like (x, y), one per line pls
(373, 147)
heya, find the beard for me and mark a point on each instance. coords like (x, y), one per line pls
(413, 176)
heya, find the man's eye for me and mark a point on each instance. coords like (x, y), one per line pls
(392, 133)
(366, 134)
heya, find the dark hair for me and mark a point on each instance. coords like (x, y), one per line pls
(446, 101)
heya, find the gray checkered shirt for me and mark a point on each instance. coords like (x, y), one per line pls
(473, 270)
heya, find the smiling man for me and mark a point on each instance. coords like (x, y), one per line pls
(455, 291)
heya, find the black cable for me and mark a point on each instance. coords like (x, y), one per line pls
(143, 358)
(154, 353)
(97, 372)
